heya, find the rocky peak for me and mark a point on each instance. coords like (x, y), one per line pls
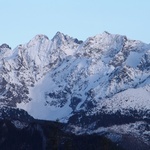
(103, 45)
(65, 43)
(40, 36)
(61, 39)
(59, 35)
(5, 51)
(38, 39)
(5, 46)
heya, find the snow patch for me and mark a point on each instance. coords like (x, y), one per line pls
(37, 106)
(134, 59)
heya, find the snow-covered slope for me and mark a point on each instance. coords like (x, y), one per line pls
(131, 99)
(56, 78)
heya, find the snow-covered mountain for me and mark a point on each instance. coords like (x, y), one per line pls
(70, 80)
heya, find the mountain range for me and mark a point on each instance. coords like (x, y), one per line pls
(100, 85)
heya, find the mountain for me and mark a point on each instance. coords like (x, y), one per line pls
(98, 85)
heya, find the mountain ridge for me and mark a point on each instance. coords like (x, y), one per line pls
(40, 55)
(78, 82)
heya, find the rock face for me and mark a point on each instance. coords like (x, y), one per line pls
(103, 81)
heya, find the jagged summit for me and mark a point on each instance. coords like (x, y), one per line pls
(59, 35)
(62, 37)
(37, 40)
(40, 37)
(5, 46)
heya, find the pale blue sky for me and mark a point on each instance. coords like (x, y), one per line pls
(21, 20)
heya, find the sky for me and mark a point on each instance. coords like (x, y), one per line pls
(21, 20)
